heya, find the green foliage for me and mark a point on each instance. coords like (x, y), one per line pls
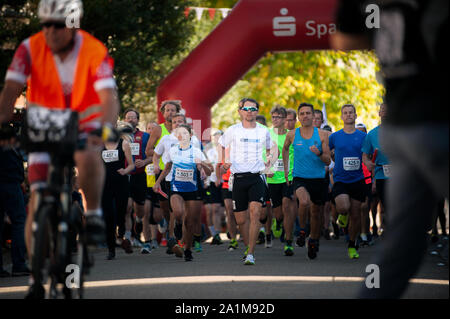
(146, 38)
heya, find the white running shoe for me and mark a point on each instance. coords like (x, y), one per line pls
(249, 260)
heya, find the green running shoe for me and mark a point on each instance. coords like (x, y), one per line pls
(277, 228)
(198, 246)
(233, 245)
(352, 253)
(288, 250)
(249, 260)
(342, 220)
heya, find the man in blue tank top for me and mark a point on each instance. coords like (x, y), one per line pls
(311, 154)
(349, 190)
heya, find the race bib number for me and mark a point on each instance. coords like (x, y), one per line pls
(387, 170)
(351, 163)
(134, 149)
(184, 175)
(150, 170)
(279, 165)
(110, 156)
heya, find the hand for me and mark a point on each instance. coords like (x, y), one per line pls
(121, 171)
(315, 150)
(217, 183)
(139, 163)
(156, 187)
(156, 169)
(370, 165)
(226, 166)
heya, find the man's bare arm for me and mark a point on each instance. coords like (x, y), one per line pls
(8, 98)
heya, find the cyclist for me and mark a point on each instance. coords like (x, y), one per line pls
(66, 67)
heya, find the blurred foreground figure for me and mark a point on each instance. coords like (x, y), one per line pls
(408, 39)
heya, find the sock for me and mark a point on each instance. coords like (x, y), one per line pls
(212, 230)
(351, 244)
(364, 237)
(94, 212)
(128, 235)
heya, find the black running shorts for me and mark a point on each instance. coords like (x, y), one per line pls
(248, 187)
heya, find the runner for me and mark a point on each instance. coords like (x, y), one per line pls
(184, 161)
(280, 193)
(168, 109)
(138, 182)
(311, 154)
(116, 188)
(246, 142)
(161, 152)
(215, 201)
(349, 190)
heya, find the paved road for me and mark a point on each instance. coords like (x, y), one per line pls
(218, 273)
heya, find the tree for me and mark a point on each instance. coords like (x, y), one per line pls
(145, 37)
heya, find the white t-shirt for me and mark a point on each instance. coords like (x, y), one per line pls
(213, 157)
(166, 143)
(247, 147)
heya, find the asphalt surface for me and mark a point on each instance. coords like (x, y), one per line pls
(216, 273)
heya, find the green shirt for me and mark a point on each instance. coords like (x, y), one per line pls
(164, 132)
(278, 167)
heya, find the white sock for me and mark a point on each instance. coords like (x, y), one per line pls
(91, 212)
(212, 230)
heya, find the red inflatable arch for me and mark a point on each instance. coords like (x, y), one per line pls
(253, 28)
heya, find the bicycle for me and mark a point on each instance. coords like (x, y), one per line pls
(58, 224)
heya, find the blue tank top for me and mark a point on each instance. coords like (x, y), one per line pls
(306, 163)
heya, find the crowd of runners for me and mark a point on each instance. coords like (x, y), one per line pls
(296, 181)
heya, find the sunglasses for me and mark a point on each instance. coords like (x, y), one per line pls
(56, 25)
(249, 109)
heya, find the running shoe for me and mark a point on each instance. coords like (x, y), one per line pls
(352, 253)
(137, 243)
(261, 237)
(268, 243)
(233, 245)
(126, 245)
(312, 249)
(177, 250)
(163, 242)
(146, 249)
(326, 234)
(198, 246)
(170, 244)
(288, 250)
(188, 255)
(249, 260)
(301, 239)
(342, 220)
(154, 244)
(277, 228)
(216, 240)
(36, 291)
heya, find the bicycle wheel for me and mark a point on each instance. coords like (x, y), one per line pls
(43, 243)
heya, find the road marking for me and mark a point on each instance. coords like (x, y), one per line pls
(221, 279)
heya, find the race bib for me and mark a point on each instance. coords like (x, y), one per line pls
(134, 149)
(387, 170)
(279, 165)
(110, 156)
(150, 170)
(351, 163)
(184, 175)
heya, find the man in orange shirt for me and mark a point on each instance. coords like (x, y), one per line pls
(66, 68)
